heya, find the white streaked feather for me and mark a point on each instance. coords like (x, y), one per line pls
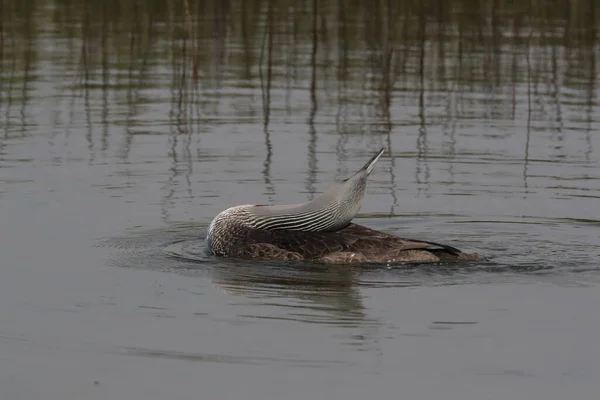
(333, 210)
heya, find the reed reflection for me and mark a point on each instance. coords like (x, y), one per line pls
(378, 65)
(314, 106)
(266, 77)
(422, 149)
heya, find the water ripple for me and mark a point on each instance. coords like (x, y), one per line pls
(512, 255)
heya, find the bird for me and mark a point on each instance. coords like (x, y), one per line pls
(319, 231)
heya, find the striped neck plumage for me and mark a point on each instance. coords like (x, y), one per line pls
(331, 211)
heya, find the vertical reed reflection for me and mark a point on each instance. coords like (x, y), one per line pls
(87, 37)
(292, 57)
(1, 60)
(28, 66)
(327, 81)
(184, 76)
(312, 141)
(422, 149)
(343, 97)
(191, 35)
(556, 97)
(105, 118)
(389, 77)
(266, 98)
(590, 101)
(449, 131)
(11, 79)
(246, 36)
(1, 36)
(528, 128)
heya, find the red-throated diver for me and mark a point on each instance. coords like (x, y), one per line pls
(319, 230)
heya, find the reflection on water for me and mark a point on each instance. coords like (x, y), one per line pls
(444, 65)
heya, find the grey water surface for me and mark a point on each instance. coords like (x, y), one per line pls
(126, 127)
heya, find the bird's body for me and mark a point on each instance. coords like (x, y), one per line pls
(319, 231)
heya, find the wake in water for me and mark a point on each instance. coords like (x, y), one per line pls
(176, 248)
(180, 248)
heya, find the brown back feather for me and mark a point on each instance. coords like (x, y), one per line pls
(352, 239)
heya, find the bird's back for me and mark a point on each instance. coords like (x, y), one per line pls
(354, 243)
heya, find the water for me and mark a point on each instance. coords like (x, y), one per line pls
(125, 128)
